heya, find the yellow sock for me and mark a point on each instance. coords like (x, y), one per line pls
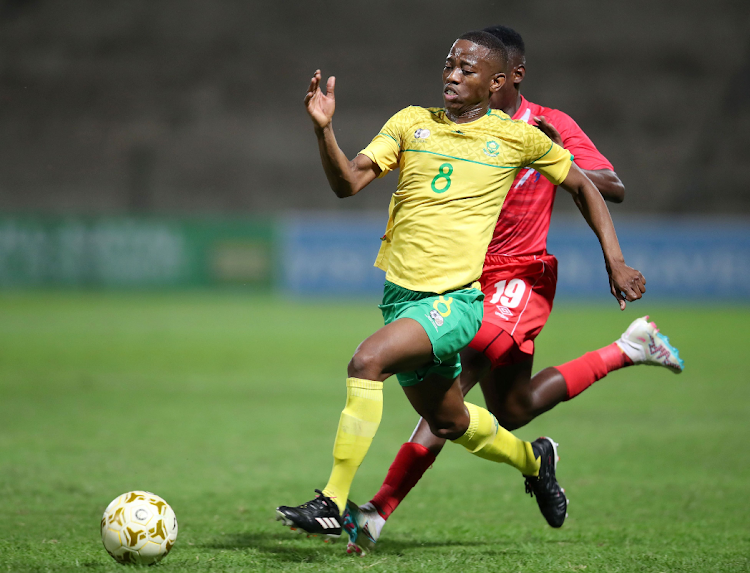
(487, 439)
(357, 426)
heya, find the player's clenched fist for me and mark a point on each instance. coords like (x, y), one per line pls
(320, 106)
(626, 283)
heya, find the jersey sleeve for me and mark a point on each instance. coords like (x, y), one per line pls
(385, 148)
(585, 153)
(546, 157)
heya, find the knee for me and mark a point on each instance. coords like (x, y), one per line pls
(364, 364)
(517, 410)
(449, 428)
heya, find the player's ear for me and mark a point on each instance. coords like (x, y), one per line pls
(497, 82)
(519, 72)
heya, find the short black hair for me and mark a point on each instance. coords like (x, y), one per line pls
(511, 39)
(486, 40)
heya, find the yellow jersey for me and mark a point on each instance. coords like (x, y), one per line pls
(452, 182)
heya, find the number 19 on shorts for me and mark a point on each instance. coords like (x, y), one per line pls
(509, 293)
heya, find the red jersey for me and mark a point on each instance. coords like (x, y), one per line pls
(524, 219)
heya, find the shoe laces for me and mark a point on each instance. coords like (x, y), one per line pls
(321, 501)
(529, 488)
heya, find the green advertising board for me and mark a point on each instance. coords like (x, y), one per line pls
(135, 252)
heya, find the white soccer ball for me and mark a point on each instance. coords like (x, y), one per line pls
(138, 527)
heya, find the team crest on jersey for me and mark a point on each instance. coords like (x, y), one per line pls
(422, 134)
(491, 148)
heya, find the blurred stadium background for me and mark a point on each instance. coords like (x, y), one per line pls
(164, 143)
(166, 231)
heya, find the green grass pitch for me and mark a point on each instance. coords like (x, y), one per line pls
(226, 405)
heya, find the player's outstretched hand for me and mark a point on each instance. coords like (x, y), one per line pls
(320, 106)
(548, 129)
(626, 283)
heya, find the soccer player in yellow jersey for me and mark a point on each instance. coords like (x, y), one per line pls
(456, 166)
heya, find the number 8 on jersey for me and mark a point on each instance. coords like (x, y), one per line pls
(442, 181)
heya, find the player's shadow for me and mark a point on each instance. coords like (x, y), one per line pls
(283, 546)
(294, 548)
(400, 546)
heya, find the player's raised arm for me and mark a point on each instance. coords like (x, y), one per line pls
(606, 180)
(345, 177)
(625, 282)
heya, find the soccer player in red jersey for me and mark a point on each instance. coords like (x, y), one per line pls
(519, 280)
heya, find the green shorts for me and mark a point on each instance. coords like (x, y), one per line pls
(451, 320)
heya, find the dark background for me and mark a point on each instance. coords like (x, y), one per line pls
(195, 106)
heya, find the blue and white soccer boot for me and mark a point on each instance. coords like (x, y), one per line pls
(644, 344)
(363, 524)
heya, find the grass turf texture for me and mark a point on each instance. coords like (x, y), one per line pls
(227, 405)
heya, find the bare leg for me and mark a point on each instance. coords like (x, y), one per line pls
(475, 366)
(516, 398)
(400, 346)
(440, 402)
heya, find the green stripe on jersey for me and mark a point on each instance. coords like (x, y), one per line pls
(467, 160)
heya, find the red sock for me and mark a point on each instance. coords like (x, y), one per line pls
(582, 372)
(410, 464)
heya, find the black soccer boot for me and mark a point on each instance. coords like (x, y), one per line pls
(319, 516)
(550, 497)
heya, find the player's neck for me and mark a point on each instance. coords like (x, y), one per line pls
(515, 106)
(468, 115)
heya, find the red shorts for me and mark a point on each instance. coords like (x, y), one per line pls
(518, 299)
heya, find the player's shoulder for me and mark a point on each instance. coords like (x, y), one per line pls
(499, 119)
(419, 112)
(558, 118)
(419, 116)
(498, 115)
(515, 132)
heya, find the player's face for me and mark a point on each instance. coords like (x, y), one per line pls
(469, 77)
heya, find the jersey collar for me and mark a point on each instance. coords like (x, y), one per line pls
(524, 111)
(478, 121)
